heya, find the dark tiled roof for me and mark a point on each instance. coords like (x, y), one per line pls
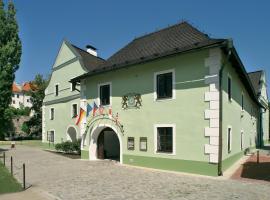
(255, 78)
(90, 62)
(171, 40)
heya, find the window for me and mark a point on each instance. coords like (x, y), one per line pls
(74, 111)
(164, 140)
(52, 114)
(56, 90)
(242, 138)
(242, 102)
(229, 88)
(143, 143)
(18, 95)
(104, 94)
(164, 85)
(131, 143)
(72, 87)
(13, 95)
(229, 142)
(50, 136)
(13, 102)
(27, 100)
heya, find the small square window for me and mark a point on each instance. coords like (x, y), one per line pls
(56, 90)
(229, 88)
(52, 114)
(18, 95)
(73, 87)
(143, 143)
(229, 142)
(74, 110)
(131, 143)
(13, 102)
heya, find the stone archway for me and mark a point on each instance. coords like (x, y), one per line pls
(71, 134)
(110, 150)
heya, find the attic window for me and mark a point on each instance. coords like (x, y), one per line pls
(56, 90)
(72, 87)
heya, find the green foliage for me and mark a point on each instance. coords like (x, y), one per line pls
(10, 55)
(69, 147)
(37, 96)
(25, 128)
(23, 111)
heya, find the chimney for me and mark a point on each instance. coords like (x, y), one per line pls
(92, 50)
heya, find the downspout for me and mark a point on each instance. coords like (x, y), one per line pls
(229, 47)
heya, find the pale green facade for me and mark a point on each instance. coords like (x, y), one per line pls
(193, 112)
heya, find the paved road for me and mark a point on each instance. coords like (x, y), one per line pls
(70, 179)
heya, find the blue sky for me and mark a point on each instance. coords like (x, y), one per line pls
(109, 25)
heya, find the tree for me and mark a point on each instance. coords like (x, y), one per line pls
(10, 54)
(37, 95)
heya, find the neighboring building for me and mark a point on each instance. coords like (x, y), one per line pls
(258, 80)
(174, 99)
(20, 96)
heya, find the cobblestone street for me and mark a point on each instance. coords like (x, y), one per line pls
(71, 179)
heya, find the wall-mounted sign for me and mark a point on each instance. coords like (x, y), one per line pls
(131, 100)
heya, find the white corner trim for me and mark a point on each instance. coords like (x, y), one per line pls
(174, 138)
(98, 88)
(173, 84)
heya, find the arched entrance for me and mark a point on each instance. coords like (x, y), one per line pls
(105, 143)
(108, 146)
(71, 134)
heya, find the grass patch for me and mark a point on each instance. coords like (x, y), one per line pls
(8, 183)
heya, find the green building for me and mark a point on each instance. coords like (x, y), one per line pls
(175, 99)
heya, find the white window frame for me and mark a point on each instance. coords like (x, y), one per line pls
(50, 113)
(98, 88)
(229, 150)
(51, 130)
(56, 84)
(174, 138)
(173, 84)
(71, 114)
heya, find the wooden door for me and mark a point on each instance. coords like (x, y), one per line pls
(101, 146)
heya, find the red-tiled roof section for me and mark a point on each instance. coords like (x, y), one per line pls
(15, 88)
(26, 87)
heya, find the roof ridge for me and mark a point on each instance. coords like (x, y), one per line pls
(260, 70)
(169, 27)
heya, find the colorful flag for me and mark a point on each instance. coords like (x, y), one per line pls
(110, 111)
(101, 109)
(88, 109)
(95, 107)
(81, 116)
(116, 118)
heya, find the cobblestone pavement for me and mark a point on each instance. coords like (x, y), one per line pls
(70, 179)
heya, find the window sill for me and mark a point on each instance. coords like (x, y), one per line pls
(164, 99)
(164, 153)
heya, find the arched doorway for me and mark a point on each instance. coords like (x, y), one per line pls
(95, 148)
(108, 146)
(71, 134)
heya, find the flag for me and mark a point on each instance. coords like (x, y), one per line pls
(110, 111)
(101, 109)
(88, 109)
(95, 107)
(116, 118)
(81, 116)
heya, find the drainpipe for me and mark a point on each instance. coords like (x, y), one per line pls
(229, 46)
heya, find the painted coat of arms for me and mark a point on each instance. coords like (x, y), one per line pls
(131, 100)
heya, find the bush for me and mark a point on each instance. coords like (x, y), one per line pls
(69, 147)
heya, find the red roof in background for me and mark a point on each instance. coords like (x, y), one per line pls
(26, 87)
(15, 88)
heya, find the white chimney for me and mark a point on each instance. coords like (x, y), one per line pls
(92, 50)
